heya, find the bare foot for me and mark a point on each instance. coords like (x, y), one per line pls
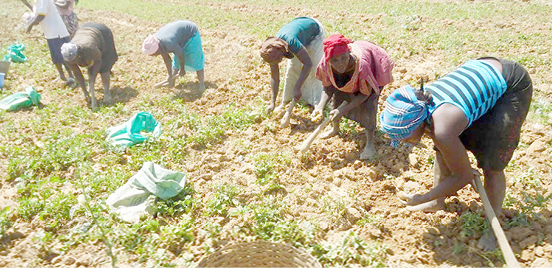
(107, 98)
(431, 206)
(269, 109)
(93, 104)
(329, 134)
(368, 152)
(285, 121)
(279, 109)
(488, 242)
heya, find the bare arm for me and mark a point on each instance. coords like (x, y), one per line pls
(274, 84)
(36, 20)
(327, 94)
(303, 56)
(357, 100)
(180, 55)
(27, 4)
(78, 75)
(449, 122)
(168, 63)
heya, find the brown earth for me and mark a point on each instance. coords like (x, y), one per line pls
(232, 65)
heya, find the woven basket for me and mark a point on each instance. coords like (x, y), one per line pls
(260, 254)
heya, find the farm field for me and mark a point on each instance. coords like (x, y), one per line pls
(245, 177)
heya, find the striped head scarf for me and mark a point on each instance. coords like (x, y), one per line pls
(403, 113)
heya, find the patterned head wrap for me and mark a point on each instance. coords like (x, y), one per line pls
(274, 43)
(69, 51)
(405, 110)
(150, 45)
(335, 45)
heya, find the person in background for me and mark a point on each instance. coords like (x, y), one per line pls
(181, 38)
(93, 48)
(354, 72)
(301, 42)
(68, 15)
(480, 107)
(47, 15)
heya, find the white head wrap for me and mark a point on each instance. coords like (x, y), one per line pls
(69, 51)
(150, 45)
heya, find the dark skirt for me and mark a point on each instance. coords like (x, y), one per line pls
(494, 136)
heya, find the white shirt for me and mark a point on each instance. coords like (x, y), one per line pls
(52, 24)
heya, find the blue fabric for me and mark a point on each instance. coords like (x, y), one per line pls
(403, 113)
(474, 87)
(193, 55)
(299, 33)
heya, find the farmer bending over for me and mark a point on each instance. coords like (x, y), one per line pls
(183, 39)
(47, 15)
(354, 72)
(480, 107)
(301, 41)
(92, 47)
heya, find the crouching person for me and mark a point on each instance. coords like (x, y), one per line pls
(183, 39)
(480, 107)
(354, 72)
(93, 48)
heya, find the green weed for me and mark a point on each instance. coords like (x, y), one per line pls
(351, 249)
(472, 223)
(223, 200)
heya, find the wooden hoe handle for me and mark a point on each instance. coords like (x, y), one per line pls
(308, 142)
(499, 233)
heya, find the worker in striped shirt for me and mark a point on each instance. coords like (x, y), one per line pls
(480, 107)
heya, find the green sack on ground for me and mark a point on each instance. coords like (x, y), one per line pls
(21, 99)
(130, 133)
(15, 53)
(136, 198)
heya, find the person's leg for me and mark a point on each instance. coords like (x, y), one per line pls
(59, 68)
(495, 187)
(54, 45)
(372, 109)
(106, 76)
(201, 79)
(338, 98)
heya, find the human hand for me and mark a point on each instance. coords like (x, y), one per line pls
(169, 82)
(316, 115)
(336, 113)
(409, 199)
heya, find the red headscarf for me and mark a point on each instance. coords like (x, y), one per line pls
(335, 45)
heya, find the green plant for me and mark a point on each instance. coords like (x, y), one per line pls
(351, 249)
(472, 223)
(267, 165)
(223, 200)
(370, 219)
(5, 223)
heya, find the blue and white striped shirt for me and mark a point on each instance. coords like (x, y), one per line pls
(474, 87)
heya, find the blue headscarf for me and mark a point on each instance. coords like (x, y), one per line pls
(403, 113)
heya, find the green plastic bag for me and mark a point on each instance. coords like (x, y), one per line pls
(15, 53)
(130, 133)
(20, 100)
